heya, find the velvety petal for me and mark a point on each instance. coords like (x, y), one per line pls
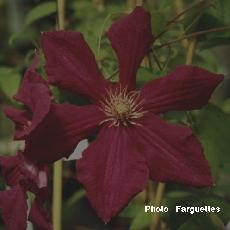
(18, 170)
(10, 166)
(21, 118)
(57, 136)
(70, 64)
(186, 88)
(13, 204)
(112, 171)
(35, 177)
(173, 153)
(33, 87)
(34, 93)
(39, 215)
(131, 38)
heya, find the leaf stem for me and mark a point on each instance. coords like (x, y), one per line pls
(180, 15)
(57, 171)
(224, 28)
(191, 51)
(188, 61)
(157, 61)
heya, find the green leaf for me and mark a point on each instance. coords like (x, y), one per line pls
(215, 17)
(218, 40)
(225, 6)
(217, 201)
(200, 222)
(178, 194)
(144, 75)
(157, 21)
(131, 210)
(141, 220)
(191, 20)
(212, 125)
(197, 198)
(9, 81)
(40, 11)
(208, 21)
(226, 105)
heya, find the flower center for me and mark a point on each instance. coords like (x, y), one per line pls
(122, 107)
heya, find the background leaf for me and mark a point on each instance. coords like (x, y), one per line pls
(200, 222)
(212, 125)
(9, 81)
(39, 12)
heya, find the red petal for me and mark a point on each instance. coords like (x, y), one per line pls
(186, 88)
(35, 94)
(131, 38)
(112, 171)
(18, 170)
(14, 208)
(36, 176)
(11, 170)
(39, 216)
(33, 87)
(70, 64)
(173, 153)
(21, 119)
(61, 131)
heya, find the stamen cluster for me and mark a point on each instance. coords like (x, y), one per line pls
(122, 107)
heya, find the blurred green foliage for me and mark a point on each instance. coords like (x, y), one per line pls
(21, 23)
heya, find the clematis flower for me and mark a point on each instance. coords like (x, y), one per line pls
(23, 173)
(22, 176)
(133, 142)
(20, 173)
(40, 123)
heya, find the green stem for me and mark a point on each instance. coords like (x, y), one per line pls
(139, 2)
(57, 195)
(61, 14)
(190, 52)
(157, 202)
(99, 5)
(57, 173)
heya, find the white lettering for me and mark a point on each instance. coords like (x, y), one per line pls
(178, 208)
(147, 208)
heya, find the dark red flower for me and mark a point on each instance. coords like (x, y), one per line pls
(22, 176)
(42, 124)
(20, 173)
(133, 143)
